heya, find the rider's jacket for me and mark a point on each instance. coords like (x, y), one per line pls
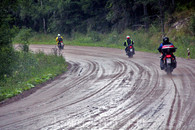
(57, 39)
(128, 42)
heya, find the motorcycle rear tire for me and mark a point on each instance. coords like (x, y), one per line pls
(130, 55)
(168, 69)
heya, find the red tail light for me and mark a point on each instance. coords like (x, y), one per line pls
(130, 47)
(168, 56)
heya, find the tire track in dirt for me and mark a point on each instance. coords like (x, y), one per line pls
(184, 120)
(139, 102)
(176, 105)
(93, 117)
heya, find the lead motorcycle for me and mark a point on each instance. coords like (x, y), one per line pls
(169, 61)
(129, 50)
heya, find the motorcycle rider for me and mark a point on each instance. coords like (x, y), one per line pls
(128, 42)
(165, 42)
(59, 39)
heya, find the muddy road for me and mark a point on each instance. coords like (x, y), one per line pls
(104, 89)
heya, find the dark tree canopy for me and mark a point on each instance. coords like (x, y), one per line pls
(67, 16)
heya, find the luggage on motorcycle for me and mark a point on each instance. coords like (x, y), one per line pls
(168, 49)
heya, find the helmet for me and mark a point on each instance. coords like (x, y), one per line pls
(128, 37)
(165, 39)
(58, 35)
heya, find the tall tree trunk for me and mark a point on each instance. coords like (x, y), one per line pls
(161, 4)
(173, 2)
(44, 23)
(145, 17)
(44, 26)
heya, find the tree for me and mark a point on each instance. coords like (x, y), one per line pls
(120, 13)
(161, 5)
(67, 16)
(94, 15)
(36, 14)
(6, 9)
(7, 54)
(145, 11)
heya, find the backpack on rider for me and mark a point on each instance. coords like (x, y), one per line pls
(59, 39)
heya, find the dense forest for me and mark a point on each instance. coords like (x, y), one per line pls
(66, 16)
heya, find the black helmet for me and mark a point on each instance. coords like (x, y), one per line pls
(165, 39)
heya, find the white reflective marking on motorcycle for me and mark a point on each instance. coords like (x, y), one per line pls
(168, 60)
(131, 50)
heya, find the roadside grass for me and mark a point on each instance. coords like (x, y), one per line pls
(29, 70)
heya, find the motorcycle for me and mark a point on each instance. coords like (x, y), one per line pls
(169, 61)
(129, 50)
(61, 45)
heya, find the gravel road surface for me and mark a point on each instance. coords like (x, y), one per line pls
(104, 89)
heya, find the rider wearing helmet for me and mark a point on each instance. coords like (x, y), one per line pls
(128, 42)
(59, 39)
(165, 42)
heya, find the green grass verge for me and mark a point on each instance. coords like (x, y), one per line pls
(29, 70)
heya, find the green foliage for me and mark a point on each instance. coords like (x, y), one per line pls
(29, 70)
(154, 29)
(5, 36)
(23, 39)
(192, 26)
(95, 36)
(7, 53)
(6, 19)
(112, 38)
(86, 16)
(185, 5)
(7, 61)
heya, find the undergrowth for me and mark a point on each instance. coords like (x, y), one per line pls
(29, 70)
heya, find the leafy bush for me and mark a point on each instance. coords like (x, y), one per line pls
(95, 36)
(112, 38)
(192, 27)
(24, 36)
(28, 70)
(7, 60)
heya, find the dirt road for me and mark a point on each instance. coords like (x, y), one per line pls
(104, 89)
